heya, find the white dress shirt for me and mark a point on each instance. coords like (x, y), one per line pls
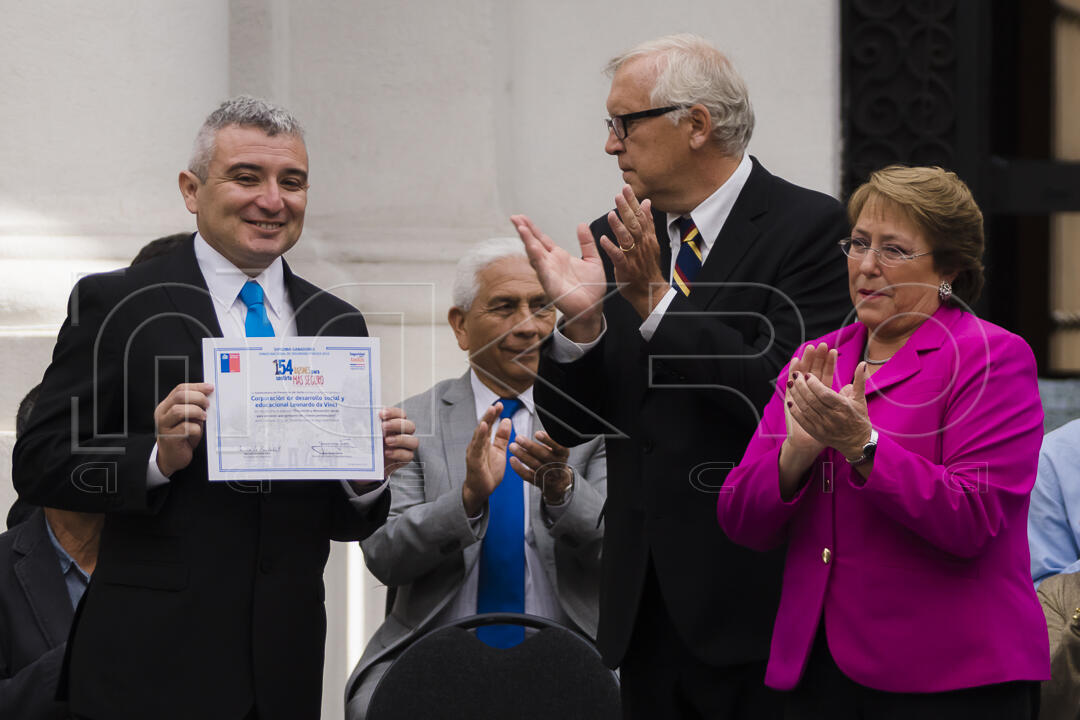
(224, 281)
(540, 596)
(709, 217)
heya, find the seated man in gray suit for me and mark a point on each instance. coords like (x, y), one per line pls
(465, 534)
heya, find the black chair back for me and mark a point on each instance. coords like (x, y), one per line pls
(555, 673)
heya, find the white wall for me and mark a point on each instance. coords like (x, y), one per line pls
(429, 122)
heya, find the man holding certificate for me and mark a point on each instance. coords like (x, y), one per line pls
(207, 600)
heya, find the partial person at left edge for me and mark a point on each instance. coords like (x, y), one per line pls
(207, 600)
(46, 559)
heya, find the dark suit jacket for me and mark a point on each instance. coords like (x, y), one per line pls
(679, 409)
(207, 597)
(35, 616)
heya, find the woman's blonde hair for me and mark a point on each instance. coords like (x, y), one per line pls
(940, 205)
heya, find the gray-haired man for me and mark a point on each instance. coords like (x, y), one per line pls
(673, 336)
(452, 504)
(207, 600)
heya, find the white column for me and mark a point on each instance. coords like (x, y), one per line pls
(101, 102)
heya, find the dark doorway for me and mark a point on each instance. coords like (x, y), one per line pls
(970, 86)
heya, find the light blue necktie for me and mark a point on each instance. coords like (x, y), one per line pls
(502, 555)
(256, 324)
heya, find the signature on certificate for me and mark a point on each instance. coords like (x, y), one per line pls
(342, 448)
(257, 450)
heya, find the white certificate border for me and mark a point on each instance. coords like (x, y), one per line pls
(242, 474)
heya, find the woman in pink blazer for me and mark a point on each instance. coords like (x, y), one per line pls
(895, 460)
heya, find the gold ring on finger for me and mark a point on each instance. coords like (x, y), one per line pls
(628, 249)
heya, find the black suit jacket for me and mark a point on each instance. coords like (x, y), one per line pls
(207, 597)
(35, 616)
(679, 410)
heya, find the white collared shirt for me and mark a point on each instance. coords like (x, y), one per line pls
(224, 281)
(540, 596)
(709, 217)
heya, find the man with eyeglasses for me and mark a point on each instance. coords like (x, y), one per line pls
(713, 271)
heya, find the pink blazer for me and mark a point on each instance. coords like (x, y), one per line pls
(921, 571)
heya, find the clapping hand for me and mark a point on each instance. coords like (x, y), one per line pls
(485, 460)
(839, 420)
(542, 462)
(576, 285)
(635, 255)
(800, 447)
(818, 362)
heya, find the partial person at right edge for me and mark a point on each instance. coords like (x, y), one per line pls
(1060, 695)
(1054, 515)
(1054, 540)
(671, 343)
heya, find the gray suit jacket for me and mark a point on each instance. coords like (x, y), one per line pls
(35, 617)
(1060, 598)
(427, 546)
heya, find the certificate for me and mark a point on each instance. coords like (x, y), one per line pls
(297, 408)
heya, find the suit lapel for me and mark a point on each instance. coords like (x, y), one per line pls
(663, 239)
(534, 491)
(307, 311)
(900, 366)
(38, 571)
(186, 289)
(930, 336)
(736, 237)
(849, 347)
(457, 421)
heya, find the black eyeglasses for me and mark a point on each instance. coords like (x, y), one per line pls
(617, 124)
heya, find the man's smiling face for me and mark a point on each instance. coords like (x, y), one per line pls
(250, 207)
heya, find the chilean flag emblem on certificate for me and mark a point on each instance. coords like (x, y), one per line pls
(230, 362)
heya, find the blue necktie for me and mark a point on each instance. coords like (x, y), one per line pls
(502, 555)
(256, 324)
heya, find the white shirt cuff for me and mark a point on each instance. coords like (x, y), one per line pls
(362, 501)
(565, 350)
(649, 326)
(154, 476)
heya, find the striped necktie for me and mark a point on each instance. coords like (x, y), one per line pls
(688, 261)
(256, 324)
(502, 555)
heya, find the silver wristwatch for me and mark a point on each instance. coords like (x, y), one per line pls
(867, 451)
